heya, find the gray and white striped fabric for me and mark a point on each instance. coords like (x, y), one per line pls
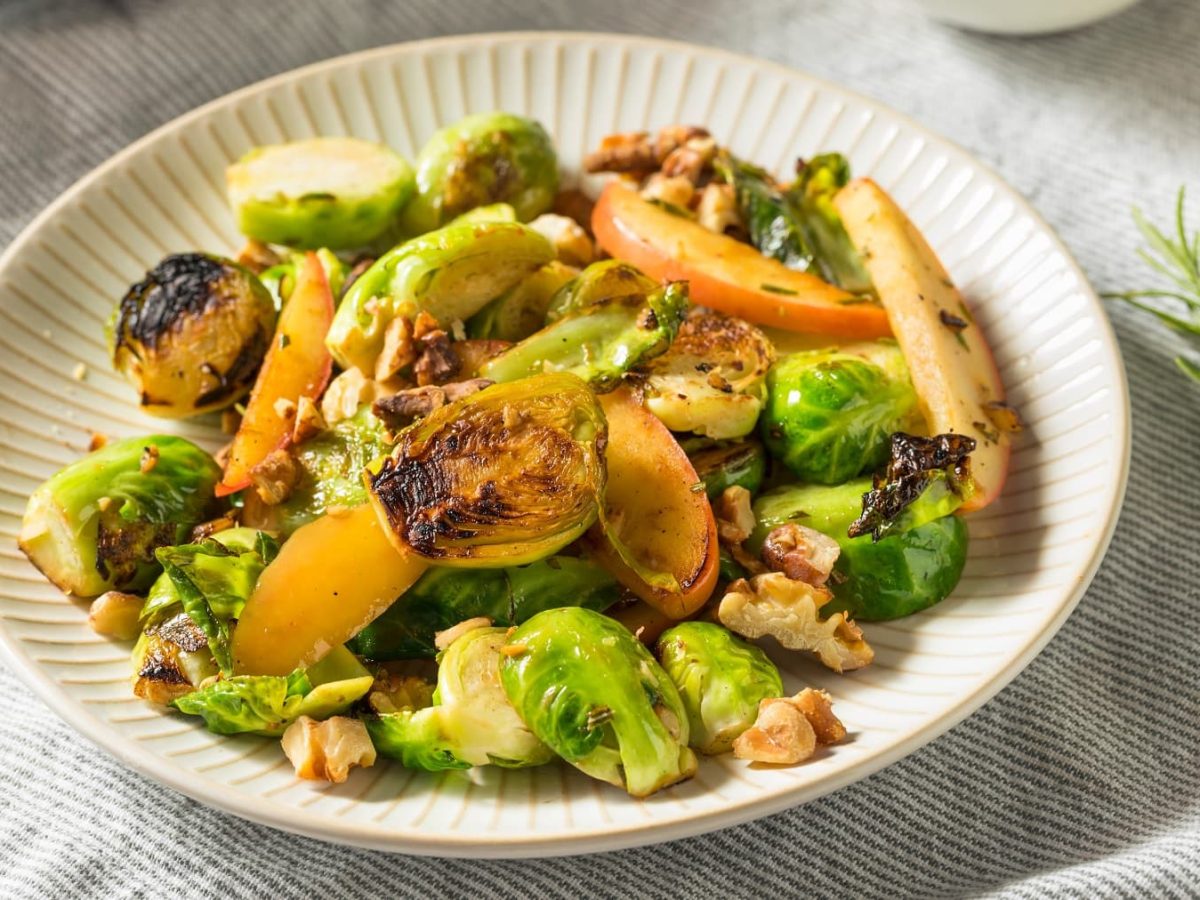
(1080, 779)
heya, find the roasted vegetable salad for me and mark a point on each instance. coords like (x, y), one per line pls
(505, 487)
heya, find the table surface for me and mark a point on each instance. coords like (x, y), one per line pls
(1082, 778)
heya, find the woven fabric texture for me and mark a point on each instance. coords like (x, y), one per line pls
(1082, 778)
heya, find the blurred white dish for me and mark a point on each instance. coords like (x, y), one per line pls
(1023, 16)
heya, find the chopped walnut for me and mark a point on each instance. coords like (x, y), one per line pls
(789, 611)
(672, 137)
(115, 614)
(571, 243)
(677, 191)
(691, 160)
(436, 363)
(274, 477)
(718, 209)
(399, 350)
(735, 518)
(404, 407)
(285, 408)
(781, 735)
(326, 751)
(345, 394)
(443, 639)
(633, 151)
(801, 553)
(97, 441)
(258, 257)
(818, 709)
(309, 421)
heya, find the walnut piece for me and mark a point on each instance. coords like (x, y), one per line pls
(274, 477)
(326, 751)
(309, 421)
(788, 729)
(801, 553)
(115, 614)
(735, 518)
(258, 257)
(781, 735)
(717, 210)
(677, 191)
(436, 363)
(399, 349)
(571, 243)
(632, 151)
(789, 611)
(345, 394)
(404, 407)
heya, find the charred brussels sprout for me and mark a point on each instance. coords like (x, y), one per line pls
(483, 159)
(472, 722)
(721, 680)
(225, 573)
(94, 526)
(593, 693)
(601, 281)
(450, 274)
(829, 414)
(735, 464)
(712, 381)
(333, 192)
(508, 596)
(191, 335)
(600, 342)
(509, 475)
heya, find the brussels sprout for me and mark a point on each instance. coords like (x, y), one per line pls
(334, 192)
(599, 343)
(227, 578)
(713, 379)
(280, 279)
(740, 464)
(483, 159)
(471, 722)
(521, 311)
(506, 476)
(450, 274)
(587, 688)
(721, 680)
(191, 335)
(330, 467)
(171, 658)
(507, 596)
(602, 281)
(830, 413)
(267, 704)
(901, 574)
(94, 526)
(812, 195)
(916, 566)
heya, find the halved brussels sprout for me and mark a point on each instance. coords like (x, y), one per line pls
(472, 722)
(483, 159)
(508, 596)
(506, 476)
(170, 659)
(493, 212)
(94, 526)
(721, 680)
(191, 335)
(602, 281)
(600, 342)
(450, 274)
(522, 310)
(227, 578)
(734, 464)
(267, 704)
(337, 192)
(587, 688)
(830, 413)
(712, 380)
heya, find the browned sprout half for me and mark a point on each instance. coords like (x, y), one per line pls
(191, 335)
(506, 476)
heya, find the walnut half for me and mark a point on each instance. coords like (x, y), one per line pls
(788, 729)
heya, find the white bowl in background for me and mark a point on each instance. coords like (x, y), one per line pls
(1019, 17)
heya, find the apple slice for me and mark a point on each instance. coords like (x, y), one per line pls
(951, 365)
(661, 537)
(726, 274)
(297, 365)
(331, 578)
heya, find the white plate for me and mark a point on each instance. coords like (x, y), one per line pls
(1032, 554)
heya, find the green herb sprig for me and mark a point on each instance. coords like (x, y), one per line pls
(1178, 259)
